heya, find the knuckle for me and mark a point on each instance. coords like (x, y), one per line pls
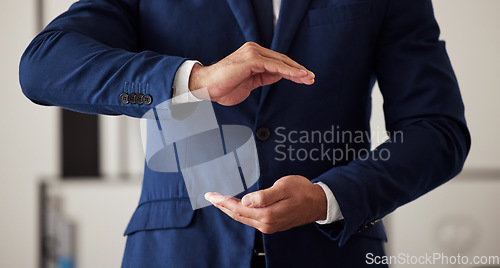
(282, 183)
(252, 54)
(250, 50)
(250, 44)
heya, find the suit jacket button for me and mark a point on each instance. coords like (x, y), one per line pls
(124, 98)
(132, 98)
(147, 99)
(139, 99)
(263, 133)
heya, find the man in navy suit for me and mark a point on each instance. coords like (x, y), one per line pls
(318, 200)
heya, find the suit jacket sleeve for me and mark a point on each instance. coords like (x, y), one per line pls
(88, 56)
(423, 103)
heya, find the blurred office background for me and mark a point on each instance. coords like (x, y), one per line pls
(83, 219)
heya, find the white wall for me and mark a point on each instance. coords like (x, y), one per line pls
(460, 217)
(101, 211)
(27, 144)
(471, 29)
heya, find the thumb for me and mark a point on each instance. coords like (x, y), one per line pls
(264, 198)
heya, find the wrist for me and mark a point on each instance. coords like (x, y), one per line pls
(196, 77)
(321, 203)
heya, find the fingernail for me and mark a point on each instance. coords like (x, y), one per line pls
(311, 73)
(247, 200)
(214, 197)
(304, 71)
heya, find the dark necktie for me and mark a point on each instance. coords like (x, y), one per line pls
(263, 10)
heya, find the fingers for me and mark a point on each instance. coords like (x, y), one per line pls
(266, 60)
(283, 58)
(232, 206)
(260, 218)
(274, 66)
(237, 217)
(264, 198)
(231, 80)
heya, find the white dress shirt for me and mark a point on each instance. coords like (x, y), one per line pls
(183, 95)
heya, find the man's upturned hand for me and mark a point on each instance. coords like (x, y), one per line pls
(231, 80)
(292, 201)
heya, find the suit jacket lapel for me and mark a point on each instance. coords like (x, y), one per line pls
(292, 13)
(243, 12)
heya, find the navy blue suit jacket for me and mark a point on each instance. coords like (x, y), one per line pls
(95, 51)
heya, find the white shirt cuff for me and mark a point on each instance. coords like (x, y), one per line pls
(181, 93)
(333, 213)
